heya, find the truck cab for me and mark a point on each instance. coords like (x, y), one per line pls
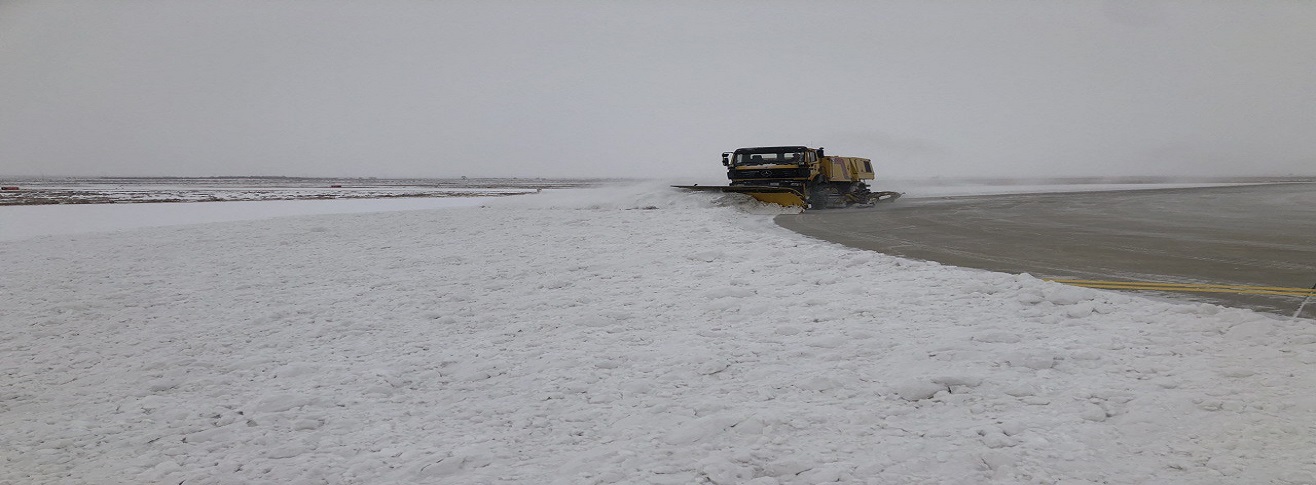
(799, 176)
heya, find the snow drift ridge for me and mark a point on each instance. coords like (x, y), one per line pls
(648, 195)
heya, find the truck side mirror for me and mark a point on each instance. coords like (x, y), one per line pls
(726, 160)
(820, 152)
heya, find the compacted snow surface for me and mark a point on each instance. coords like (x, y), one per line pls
(633, 335)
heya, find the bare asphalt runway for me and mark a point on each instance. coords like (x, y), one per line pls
(1262, 235)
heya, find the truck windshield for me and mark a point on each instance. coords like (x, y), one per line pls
(787, 158)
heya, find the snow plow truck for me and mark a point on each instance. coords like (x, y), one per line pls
(797, 176)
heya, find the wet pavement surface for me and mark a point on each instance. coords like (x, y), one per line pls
(1262, 235)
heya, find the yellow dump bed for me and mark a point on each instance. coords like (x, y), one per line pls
(851, 169)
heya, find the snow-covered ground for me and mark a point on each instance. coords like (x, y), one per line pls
(104, 190)
(624, 335)
(142, 194)
(22, 222)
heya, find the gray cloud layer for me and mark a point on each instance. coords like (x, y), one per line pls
(408, 88)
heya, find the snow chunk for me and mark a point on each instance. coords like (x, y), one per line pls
(1250, 330)
(445, 467)
(723, 472)
(700, 429)
(998, 338)
(1080, 310)
(295, 370)
(828, 342)
(1066, 295)
(1031, 360)
(787, 330)
(278, 403)
(730, 292)
(958, 380)
(1093, 412)
(916, 390)
(165, 383)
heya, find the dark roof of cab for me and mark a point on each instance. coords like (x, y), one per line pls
(781, 149)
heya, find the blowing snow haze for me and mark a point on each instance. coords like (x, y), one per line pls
(655, 89)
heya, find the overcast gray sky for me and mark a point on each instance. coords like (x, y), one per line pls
(655, 89)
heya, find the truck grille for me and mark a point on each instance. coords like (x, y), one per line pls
(777, 173)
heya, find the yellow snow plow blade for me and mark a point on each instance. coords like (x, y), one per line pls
(773, 195)
(787, 199)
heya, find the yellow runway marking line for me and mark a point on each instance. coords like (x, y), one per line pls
(1189, 287)
(1192, 285)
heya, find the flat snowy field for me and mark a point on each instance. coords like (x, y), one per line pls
(22, 222)
(631, 335)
